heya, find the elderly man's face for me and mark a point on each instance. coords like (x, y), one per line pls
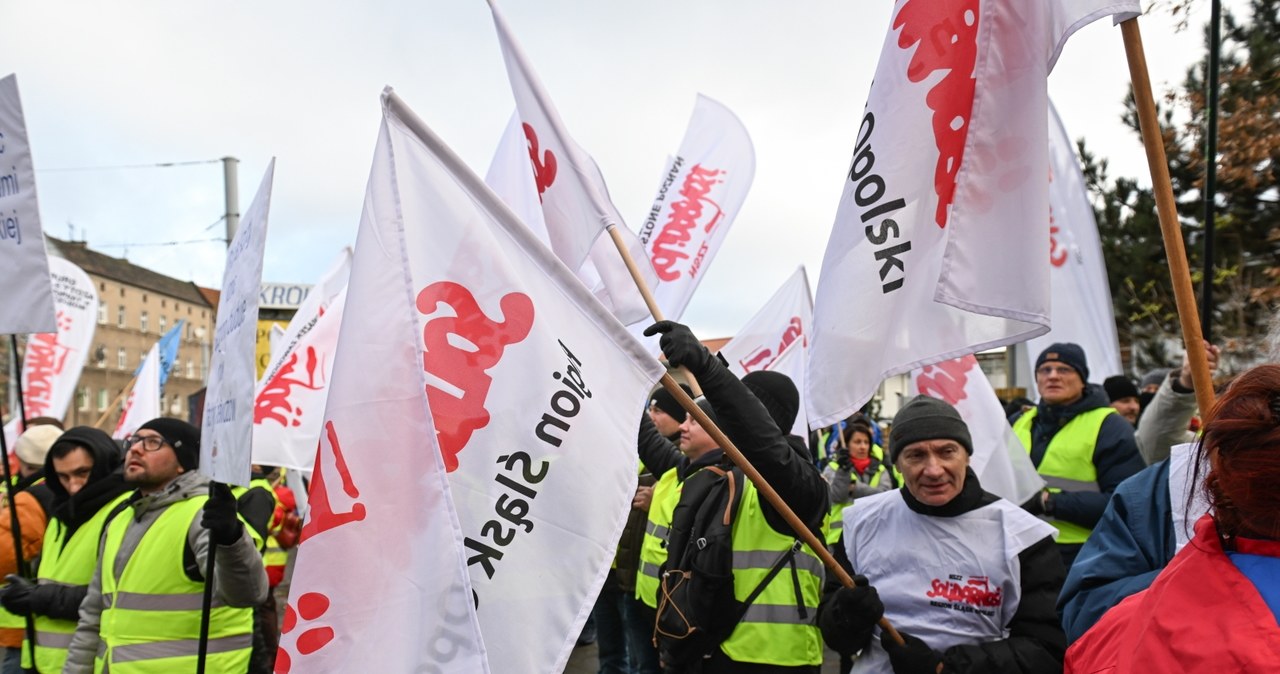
(934, 470)
(1058, 383)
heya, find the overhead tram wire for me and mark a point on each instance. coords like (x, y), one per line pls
(170, 164)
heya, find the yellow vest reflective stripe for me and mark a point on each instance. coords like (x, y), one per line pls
(774, 630)
(151, 619)
(65, 561)
(653, 548)
(1068, 461)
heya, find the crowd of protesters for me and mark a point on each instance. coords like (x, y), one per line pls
(1137, 543)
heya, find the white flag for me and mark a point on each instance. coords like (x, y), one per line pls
(143, 403)
(226, 433)
(575, 202)
(533, 389)
(936, 251)
(603, 272)
(777, 339)
(380, 583)
(699, 196)
(999, 459)
(289, 407)
(26, 302)
(1082, 311)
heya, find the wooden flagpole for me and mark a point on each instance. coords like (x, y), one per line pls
(1174, 249)
(127, 387)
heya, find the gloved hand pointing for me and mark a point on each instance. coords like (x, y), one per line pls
(680, 345)
(220, 516)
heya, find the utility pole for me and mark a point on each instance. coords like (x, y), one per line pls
(232, 188)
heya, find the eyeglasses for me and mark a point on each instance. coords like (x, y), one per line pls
(1060, 370)
(151, 443)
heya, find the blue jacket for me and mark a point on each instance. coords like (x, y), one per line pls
(1129, 546)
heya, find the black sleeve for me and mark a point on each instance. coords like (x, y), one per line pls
(1036, 641)
(256, 506)
(656, 452)
(1115, 458)
(747, 423)
(836, 632)
(58, 601)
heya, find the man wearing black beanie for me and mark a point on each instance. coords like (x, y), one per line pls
(1078, 443)
(969, 580)
(170, 510)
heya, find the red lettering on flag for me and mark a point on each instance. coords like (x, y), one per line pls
(273, 401)
(46, 358)
(762, 358)
(458, 351)
(946, 380)
(544, 167)
(669, 244)
(322, 518)
(946, 32)
(311, 606)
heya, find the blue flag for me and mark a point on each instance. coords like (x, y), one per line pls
(168, 352)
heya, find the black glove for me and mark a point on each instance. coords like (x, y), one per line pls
(915, 657)
(220, 516)
(679, 344)
(843, 462)
(1035, 504)
(858, 608)
(16, 598)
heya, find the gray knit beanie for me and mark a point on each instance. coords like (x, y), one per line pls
(925, 418)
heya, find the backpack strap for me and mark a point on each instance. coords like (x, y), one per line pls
(788, 556)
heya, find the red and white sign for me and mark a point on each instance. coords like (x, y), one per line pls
(1082, 311)
(936, 252)
(532, 389)
(603, 272)
(226, 430)
(999, 460)
(699, 196)
(290, 398)
(26, 302)
(777, 338)
(143, 403)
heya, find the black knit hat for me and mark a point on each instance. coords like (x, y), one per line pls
(1119, 387)
(925, 418)
(182, 436)
(778, 394)
(663, 400)
(1068, 354)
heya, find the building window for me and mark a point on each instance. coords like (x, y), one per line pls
(100, 355)
(163, 302)
(82, 399)
(120, 358)
(102, 312)
(143, 322)
(202, 316)
(175, 407)
(122, 291)
(142, 357)
(162, 324)
(144, 298)
(191, 369)
(188, 311)
(102, 399)
(120, 317)
(102, 287)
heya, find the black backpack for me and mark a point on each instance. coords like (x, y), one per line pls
(697, 609)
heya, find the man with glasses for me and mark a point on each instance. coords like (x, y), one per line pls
(143, 608)
(1079, 444)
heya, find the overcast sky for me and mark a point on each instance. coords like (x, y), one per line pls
(145, 82)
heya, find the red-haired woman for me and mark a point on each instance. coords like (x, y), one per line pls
(1216, 607)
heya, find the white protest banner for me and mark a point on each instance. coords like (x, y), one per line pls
(603, 272)
(575, 201)
(534, 390)
(777, 338)
(999, 460)
(933, 254)
(380, 583)
(1082, 311)
(26, 294)
(332, 283)
(226, 433)
(143, 403)
(699, 196)
(289, 407)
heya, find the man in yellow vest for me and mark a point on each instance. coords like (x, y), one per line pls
(776, 632)
(1079, 444)
(84, 478)
(142, 612)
